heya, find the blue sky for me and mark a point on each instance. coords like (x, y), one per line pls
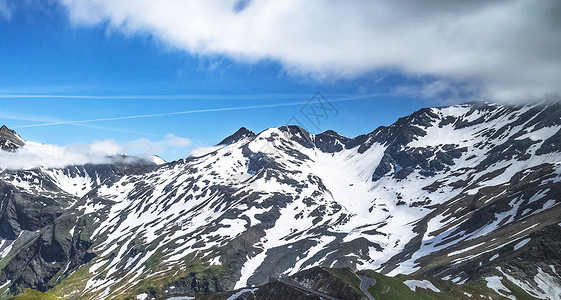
(104, 65)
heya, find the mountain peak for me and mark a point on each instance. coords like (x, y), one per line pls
(9, 139)
(294, 130)
(332, 133)
(242, 133)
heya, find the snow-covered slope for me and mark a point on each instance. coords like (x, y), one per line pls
(36, 246)
(440, 192)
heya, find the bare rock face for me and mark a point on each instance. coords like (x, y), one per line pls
(40, 233)
(9, 139)
(242, 133)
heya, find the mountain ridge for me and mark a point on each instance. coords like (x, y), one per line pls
(9, 139)
(438, 193)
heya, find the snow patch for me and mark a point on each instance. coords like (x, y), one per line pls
(550, 285)
(538, 195)
(239, 293)
(424, 284)
(495, 283)
(157, 160)
(465, 249)
(521, 244)
(142, 296)
(5, 284)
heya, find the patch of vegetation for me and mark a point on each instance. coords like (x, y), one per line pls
(86, 227)
(347, 276)
(193, 266)
(517, 291)
(480, 287)
(75, 282)
(4, 291)
(31, 294)
(392, 288)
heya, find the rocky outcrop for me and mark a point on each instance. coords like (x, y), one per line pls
(9, 139)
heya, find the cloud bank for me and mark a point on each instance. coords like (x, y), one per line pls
(53, 156)
(510, 49)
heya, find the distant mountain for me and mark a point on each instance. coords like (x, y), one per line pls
(463, 197)
(9, 139)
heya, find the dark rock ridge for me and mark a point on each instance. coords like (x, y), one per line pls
(309, 284)
(38, 222)
(242, 133)
(9, 139)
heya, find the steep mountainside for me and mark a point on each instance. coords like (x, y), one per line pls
(35, 247)
(466, 193)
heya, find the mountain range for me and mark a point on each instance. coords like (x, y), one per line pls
(454, 202)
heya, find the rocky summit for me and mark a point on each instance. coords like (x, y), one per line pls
(9, 139)
(455, 202)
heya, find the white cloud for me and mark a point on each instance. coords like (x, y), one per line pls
(201, 151)
(445, 92)
(53, 156)
(99, 152)
(105, 148)
(509, 48)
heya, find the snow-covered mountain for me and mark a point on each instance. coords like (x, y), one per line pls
(9, 139)
(462, 193)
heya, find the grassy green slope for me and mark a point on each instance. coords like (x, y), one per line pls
(348, 277)
(394, 288)
(30, 294)
(386, 288)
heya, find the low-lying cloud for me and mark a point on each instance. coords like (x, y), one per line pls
(202, 151)
(53, 156)
(510, 49)
(99, 152)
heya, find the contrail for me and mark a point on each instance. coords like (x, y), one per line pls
(195, 111)
(14, 116)
(152, 97)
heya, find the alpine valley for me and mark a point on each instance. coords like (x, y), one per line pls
(456, 202)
